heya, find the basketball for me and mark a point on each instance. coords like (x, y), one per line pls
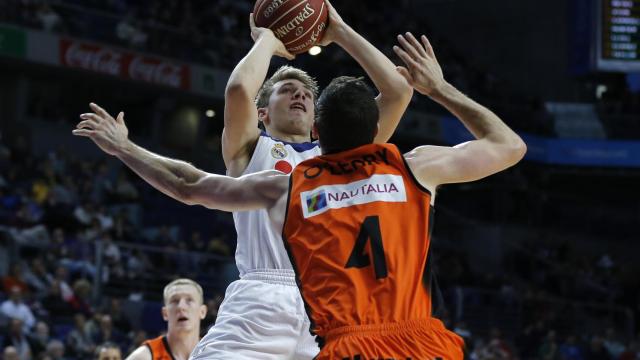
(299, 24)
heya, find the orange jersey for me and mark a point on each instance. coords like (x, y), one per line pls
(357, 232)
(159, 348)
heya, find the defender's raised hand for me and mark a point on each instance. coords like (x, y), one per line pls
(110, 134)
(422, 70)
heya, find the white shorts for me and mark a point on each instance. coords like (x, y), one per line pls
(262, 317)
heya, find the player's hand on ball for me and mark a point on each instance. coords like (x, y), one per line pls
(259, 32)
(110, 134)
(422, 70)
(334, 28)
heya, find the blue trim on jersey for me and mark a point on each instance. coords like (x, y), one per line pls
(299, 147)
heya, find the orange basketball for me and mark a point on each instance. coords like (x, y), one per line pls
(299, 24)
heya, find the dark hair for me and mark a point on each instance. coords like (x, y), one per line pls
(346, 115)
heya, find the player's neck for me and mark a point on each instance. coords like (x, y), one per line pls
(182, 344)
(292, 138)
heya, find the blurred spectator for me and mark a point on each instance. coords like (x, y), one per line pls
(123, 228)
(17, 339)
(129, 31)
(15, 308)
(499, 345)
(55, 350)
(60, 279)
(54, 303)
(84, 214)
(79, 340)
(196, 243)
(39, 339)
(49, 19)
(104, 218)
(118, 317)
(108, 351)
(218, 246)
(65, 192)
(77, 255)
(102, 186)
(30, 235)
(125, 191)
(38, 278)
(14, 279)
(111, 249)
(107, 333)
(137, 264)
(80, 301)
(10, 353)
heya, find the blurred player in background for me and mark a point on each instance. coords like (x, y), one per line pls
(183, 310)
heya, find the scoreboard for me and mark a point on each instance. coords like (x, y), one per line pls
(618, 35)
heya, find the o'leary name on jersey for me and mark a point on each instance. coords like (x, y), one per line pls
(347, 167)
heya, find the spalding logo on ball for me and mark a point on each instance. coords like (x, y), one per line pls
(299, 24)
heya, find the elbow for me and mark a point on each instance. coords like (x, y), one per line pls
(403, 87)
(517, 149)
(402, 90)
(397, 89)
(520, 148)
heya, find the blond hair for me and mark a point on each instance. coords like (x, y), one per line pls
(285, 72)
(183, 281)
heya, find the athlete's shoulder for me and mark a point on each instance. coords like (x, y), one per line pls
(141, 353)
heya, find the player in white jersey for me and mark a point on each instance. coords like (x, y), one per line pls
(261, 247)
(262, 315)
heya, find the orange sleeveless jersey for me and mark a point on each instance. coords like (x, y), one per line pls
(159, 348)
(357, 233)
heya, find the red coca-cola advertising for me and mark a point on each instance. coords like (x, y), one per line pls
(124, 64)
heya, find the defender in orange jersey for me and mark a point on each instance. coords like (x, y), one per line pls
(357, 219)
(183, 310)
(357, 230)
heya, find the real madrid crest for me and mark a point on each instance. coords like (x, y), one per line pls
(278, 151)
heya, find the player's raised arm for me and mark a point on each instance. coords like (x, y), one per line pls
(395, 93)
(240, 114)
(496, 147)
(254, 191)
(178, 179)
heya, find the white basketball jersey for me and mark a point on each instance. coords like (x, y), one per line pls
(259, 243)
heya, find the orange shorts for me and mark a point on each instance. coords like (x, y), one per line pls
(414, 340)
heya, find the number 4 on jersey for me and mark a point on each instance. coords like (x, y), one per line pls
(370, 229)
